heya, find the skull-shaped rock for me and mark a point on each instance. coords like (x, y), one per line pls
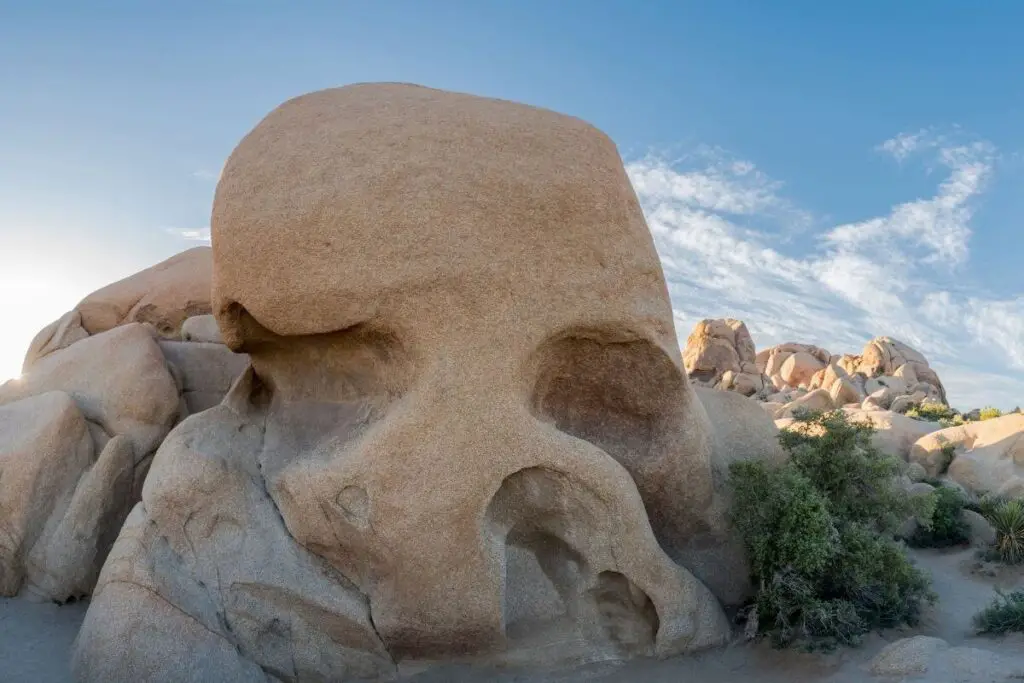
(465, 426)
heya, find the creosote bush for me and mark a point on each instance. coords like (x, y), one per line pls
(947, 527)
(990, 413)
(933, 412)
(948, 453)
(1004, 615)
(818, 531)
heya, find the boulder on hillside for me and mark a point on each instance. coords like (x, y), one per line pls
(721, 354)
(895, 434)
(814, 401)
(164, 296)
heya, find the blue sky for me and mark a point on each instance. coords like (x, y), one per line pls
(827, 172)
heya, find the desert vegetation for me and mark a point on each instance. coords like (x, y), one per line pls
(819, 531)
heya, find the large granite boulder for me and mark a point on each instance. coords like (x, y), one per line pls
(163, 296)
(466, 430)
(983, 457)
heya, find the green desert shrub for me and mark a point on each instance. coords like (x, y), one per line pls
(818, 532)
(947, 527)
(990, 413)
(1004, 615)
(1007, 518)
(947, 453)
(933, 412)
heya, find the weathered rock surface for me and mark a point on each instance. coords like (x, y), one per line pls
(988, 456)
(740, 431)
(126, 390)
(720, 354)
(894, 434)
(913, 657)
(206, 370)
(44, 449)
(162, 296)
(817, 400)
(201, 328)
(287, 533)
(119, 380)
(887, 375)
(123, 400)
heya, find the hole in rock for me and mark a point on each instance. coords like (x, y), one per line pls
(554, 604)
(621, 396)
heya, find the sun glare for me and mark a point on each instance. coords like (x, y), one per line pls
(32, 298)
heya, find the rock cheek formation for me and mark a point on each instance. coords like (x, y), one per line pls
(79, 429)
(466, 430)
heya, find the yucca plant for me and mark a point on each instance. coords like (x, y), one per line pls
(1007, 517)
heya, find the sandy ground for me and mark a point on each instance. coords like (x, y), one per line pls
(35, 642)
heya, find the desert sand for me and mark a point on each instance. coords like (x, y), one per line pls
(36, 639)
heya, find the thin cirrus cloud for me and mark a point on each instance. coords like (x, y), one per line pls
(888, 275)
(722, 227)
(201, 235)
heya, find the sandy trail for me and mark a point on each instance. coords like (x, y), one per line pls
(35, 642)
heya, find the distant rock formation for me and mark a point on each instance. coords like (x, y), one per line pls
(720, 354)
(887, 375)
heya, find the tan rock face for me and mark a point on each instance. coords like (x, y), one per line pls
(894, 434)
(117, 392)
(119, 380)
(164, 296)
(720, 354)
(44, 448)
(432, 454)
(988, 455)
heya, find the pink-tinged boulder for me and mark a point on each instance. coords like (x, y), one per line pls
(799, 368)
(720, 353)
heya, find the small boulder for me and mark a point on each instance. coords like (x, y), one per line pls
(907, 657)
(201, 328)
(817, 400)
(981, 531)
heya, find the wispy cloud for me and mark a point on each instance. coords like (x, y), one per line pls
(720, 225)
(207, 175)
(191, 234)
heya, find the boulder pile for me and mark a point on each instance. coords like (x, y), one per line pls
(719, 354)
(888, 375)
(101, 388)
